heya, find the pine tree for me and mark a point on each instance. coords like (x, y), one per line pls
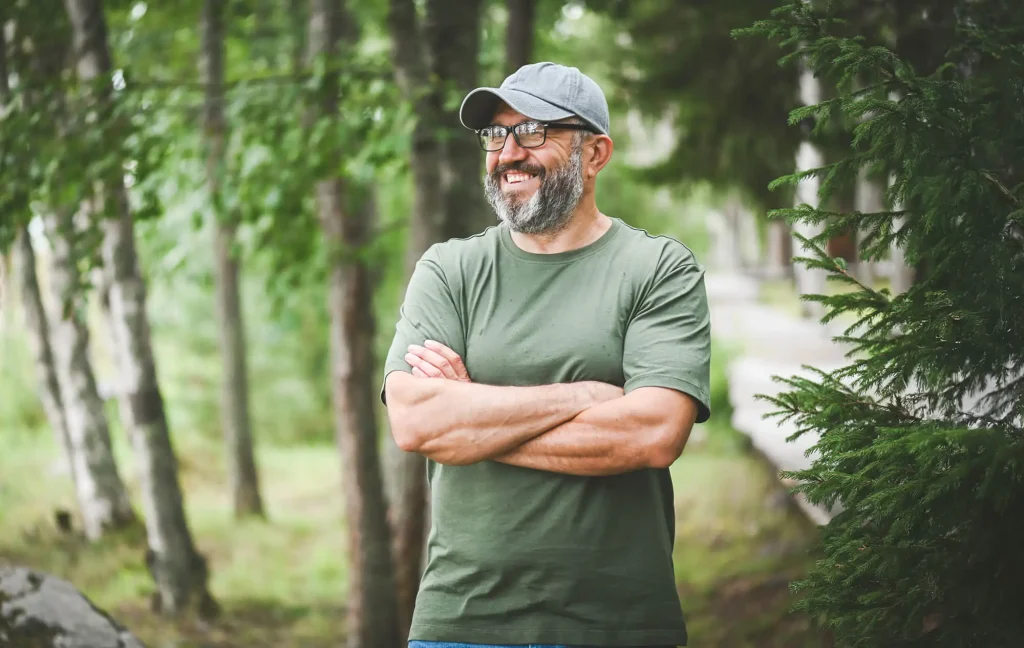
(922, 435)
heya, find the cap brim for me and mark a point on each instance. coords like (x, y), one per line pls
(479, 106)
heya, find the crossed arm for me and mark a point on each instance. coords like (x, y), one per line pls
(583, 428)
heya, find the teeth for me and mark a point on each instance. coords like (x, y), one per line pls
(514, 178)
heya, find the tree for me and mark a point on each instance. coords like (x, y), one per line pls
(345, 212)
(60, 339)
(922, 434)
(102, 498)
(432, 61)
(178, 569)
(39, 337)
(519, 33)
(237, 427)
(727, 99)
(35, 314)
(809, 156)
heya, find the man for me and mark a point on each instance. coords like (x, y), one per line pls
(550, 370)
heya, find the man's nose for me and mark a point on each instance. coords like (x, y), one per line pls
(511, 152)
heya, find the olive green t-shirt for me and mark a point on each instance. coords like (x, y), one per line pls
(521, 556)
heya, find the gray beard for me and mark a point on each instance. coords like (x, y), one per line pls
(550, 208)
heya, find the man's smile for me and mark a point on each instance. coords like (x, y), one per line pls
(519, 181)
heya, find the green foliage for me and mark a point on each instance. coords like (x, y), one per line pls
(21, 413)
(66, 137)
(921, 435)
(726, 99)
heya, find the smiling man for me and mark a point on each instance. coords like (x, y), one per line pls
(550, 370)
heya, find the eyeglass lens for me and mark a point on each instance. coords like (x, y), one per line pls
(528, 134)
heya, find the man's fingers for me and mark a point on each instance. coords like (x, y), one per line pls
(419, 374)
(429, 370)
(435, 359)
(453, 358)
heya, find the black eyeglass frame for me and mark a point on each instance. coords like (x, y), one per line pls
(514, 129)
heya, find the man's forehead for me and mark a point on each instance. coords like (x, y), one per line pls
(505, 115)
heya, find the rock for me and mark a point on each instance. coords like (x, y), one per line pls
(38, 610)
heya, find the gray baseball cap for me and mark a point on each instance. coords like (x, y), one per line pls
(542, 91)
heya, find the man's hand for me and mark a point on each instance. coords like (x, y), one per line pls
(609, 434)
(435, 360)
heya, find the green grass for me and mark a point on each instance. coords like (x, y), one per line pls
(282, 581)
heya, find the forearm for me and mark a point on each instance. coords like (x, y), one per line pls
(462, 423)
(611, 438)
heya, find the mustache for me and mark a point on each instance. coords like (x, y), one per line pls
(524, 167)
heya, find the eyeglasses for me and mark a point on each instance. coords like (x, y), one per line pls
(528, 134)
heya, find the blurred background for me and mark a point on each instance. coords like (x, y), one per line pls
(257, 177)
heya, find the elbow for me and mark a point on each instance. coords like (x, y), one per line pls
(402, 416)
(667, 445)
(406, 436)
(405, 428)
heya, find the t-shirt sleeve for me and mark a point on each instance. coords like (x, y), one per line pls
(428, 312)
(668, 340)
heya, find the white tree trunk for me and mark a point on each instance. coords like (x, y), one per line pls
(102, 497)
(868, 198)
(901, 276)
(179, 571)
(39, 338)
(101, 285)
(808, 156)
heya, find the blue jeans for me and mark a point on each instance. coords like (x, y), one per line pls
(449, 644)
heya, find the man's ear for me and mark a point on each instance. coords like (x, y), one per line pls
(600, 149)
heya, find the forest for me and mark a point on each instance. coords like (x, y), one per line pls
(210, 211)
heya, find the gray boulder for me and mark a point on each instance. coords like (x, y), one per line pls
(42, 611)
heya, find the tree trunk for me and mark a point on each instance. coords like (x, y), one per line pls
(809, 156)
(39, 337)
(179, 571)
(407, 470)
(779, 254)
(519, 33)
(64, 371)
(452, 35)
(901, 276)
(868, 198)
(35, 314)
(238, 445)
(102, 497)
(447, 169)
(372, 610)
(101, 284)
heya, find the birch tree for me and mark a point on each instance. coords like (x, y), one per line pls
(31, 297)
(809, 280)
(102, 498)
(39, 338)
(179, 571)
(60, 338)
